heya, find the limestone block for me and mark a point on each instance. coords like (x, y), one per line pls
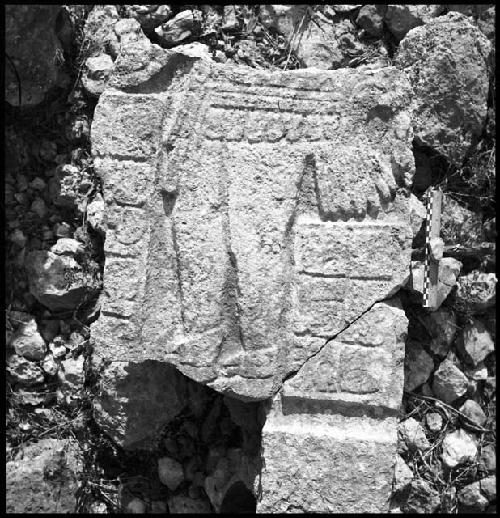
(251, 215)
(447, 62)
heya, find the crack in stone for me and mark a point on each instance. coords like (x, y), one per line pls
(328, 340)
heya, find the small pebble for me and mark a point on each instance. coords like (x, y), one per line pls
(434, 421)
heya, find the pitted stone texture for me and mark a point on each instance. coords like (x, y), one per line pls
(327, 463)
(362, 366)
(329, 442)
(250, 215)
(447, 62)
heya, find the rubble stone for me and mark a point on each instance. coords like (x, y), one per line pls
(474, 412)
(371, 19)
(488, 459)
(477, 291)
(170, 472)
(449, 382)
(447, 62)
(28, 342)
(44, 478)
(412, 435)
(24, 372)
(475, 342)
(403, 475)
(458, 448)
(470, 498)
(422, 498)
(489, 487)
(400, 19)
(434, 421)
(419, 365)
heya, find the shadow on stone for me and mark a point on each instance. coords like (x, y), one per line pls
(239, 500)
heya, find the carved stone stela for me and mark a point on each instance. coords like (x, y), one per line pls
(255, 222)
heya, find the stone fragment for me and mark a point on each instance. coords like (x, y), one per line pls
(34, 66)
(95, 214)
(39, 208)
(436, 248)
(371, 19)
(460, 225)
(57, 347)
(18, 238)
(149, 16)
(403, 475)
(422, 498)
(57, 281)
(62, 230)
(97, 72)
(447, 62)
(135, 400)
(411, 436)
(449, 269)
(28, 342)
(419, 365)
(477, 291)
(67, 246)
(44, 478)
(72, 375)
(229, 21)
(477, 373)
(184, 504)
(470, 499)
(458, 448)
(434, 421)
(473, 412)
(449, 382)
(442, 326)
(488, 459)
(49, 365)
(489, 487)
(401, 18)
(475, 342)
(274, 295)
(177, 29)
(99, 30)
(136, 506)
(24, 371)
(170, 473)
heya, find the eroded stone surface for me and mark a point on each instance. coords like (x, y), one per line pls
(251, 215)
(329, 442)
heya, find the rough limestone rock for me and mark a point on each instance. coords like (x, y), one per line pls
(28, 342)
(371, 19)
(97, 71)
(170, 472)
(23, 371)
(419, 365)
(412, 436)
(34, 51)
(335, 420)
(458, 448)
(474, 412)
(477, 291)
(57, 281)
(442, 326)
(489, 487)
(434, 421)
(449, 382)
(44, 478)
(401, 18)
(475, 342)
(460, 225)
(449, 269)
(447, 63)
(470, 498)
(236, 250)
(180, 504)
(149, 16)
(422, 498)
(403, 475)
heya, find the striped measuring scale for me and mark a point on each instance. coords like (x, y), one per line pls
(434, 200)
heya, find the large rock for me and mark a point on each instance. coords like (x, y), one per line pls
(237, 249)
(23, 371)
(329, 441)
(58, 281)
(34, 55)
(44, 478)
(447, 62)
